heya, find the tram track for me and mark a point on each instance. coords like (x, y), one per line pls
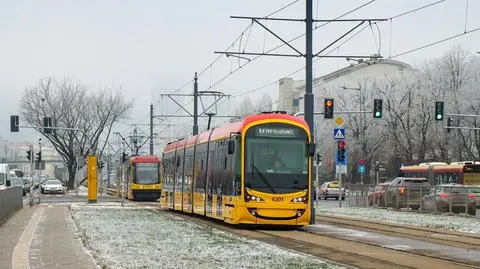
(444, 237)
(331, 247)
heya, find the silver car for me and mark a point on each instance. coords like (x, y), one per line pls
(53, 186)
(450, 198)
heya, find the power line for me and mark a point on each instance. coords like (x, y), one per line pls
(230, 46)
(347, 40)
(416, 9)
(283, 44)
(436, 42)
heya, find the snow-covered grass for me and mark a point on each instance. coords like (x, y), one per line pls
(440, 221)
(132, 237)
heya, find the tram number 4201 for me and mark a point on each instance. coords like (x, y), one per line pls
(277, 199)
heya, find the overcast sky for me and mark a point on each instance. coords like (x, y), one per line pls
(152, 47)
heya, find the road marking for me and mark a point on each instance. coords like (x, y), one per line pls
(21, 251)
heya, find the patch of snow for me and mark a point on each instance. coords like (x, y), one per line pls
(439, 221)
(132, 237)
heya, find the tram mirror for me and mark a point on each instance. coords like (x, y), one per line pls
(231, 147)
(311, 149)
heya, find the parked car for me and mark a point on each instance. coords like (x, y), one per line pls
(377, 194)
(405, 192)
(475, 190)
(17, 182)
(331, 190)
(446, 197)
(53, 186)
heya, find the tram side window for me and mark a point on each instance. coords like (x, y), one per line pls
(237, 184)
(201, 155)
(188, 174)
(217, 169)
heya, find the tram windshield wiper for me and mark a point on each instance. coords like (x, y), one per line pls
(264, 179)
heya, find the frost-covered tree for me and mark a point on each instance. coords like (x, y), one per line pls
(71, 105)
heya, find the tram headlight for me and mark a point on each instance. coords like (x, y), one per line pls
(252, 198)
(299, 200)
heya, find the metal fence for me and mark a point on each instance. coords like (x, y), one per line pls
(11, 199)
(412, 197)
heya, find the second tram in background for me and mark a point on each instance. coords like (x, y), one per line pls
(142, 178)
(254, 171)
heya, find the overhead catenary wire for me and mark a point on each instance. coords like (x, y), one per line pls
(210, 66)
(379, 45)
(354, 35)
(231, 45)
(436, 42)
(283, 44)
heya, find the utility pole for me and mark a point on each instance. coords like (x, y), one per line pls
(308, 104)
(195, 105)
(151, 129)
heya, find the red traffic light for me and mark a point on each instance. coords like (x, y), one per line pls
(341, 144)
(329, 103)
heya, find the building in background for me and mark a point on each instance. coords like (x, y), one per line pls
(291, 92)
(16, 155)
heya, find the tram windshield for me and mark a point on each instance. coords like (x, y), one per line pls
(276, 164)
(146, 173)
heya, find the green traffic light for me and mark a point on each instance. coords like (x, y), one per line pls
(378, 114)
(439, 116)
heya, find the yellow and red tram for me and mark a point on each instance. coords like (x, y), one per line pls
(142, 178)
(253, 171)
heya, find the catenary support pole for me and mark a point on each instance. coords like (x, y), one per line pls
(151, 129)
(309, 88)
(195, 105)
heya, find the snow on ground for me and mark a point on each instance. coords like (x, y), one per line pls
(440, 221)
(131, 237)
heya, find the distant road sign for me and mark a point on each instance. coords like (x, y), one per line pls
(341, 168)
(361, 169)
(339, 121)
(338, 133)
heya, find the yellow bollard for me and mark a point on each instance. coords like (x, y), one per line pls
(92, 178)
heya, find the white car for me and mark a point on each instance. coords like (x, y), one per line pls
(53, 186)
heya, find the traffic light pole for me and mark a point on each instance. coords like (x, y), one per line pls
(31, 175)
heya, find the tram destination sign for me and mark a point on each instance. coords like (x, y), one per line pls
(276, 132)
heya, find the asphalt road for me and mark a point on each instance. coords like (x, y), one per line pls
(65, 198)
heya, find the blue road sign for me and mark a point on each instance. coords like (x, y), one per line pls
(361, 169)
(338, 133)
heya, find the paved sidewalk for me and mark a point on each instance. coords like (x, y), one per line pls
(42, 237)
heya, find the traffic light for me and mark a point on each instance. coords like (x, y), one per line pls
(14, 122)
(39, 157)
(318, 158)
(47, 122)
(124, 157)
(341, 151)
(377, 108)
(328, 113)
(449, 123)
(29, 154)
(438, 110)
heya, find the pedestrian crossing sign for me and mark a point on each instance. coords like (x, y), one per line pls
(338, 133)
